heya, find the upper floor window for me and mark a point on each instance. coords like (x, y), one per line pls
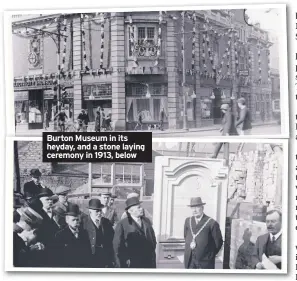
(145, 40)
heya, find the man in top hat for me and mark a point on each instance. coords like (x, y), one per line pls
(107, 211)
(33, 187)
(134, 240)
(270, 243)
(100, 233)
(62, 192)
(72, 245)
(24, 237)
(203, 238)
(48, 228)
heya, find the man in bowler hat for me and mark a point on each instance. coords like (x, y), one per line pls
(134, 240)
(203, 238)
(100, 232)
(72, 244)
(33, 187)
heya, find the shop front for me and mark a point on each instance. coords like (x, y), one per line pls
(95, 96)
(36, 99)
(147, 100)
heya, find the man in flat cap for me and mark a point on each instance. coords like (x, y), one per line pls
(100, 233)
(62, 192)
(244, 123)
(24, 238)
(134, 240)
(48, 228)
(59, 216)
(72, 245)
(33, 187)
(108, 212)
(203, 238)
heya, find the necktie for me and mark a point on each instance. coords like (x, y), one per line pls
(273, 239)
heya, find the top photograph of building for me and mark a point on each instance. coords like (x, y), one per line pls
(176, 73)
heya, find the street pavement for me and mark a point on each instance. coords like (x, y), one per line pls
(258, 129)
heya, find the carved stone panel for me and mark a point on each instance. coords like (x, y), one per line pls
(177, 179)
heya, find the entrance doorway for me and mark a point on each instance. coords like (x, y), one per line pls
(217, 102)
(35, 109)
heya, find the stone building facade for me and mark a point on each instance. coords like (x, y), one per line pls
(131, 64)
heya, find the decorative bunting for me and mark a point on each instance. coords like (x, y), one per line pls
(182, 37)
(102, 41)
(193, 43)
(159, 38)
(64, 33)
(84, 42)
(132, 40)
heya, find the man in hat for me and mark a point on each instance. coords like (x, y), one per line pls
(59, 216)
(112, 199)
(62, 192)
(228, 121)
(72, 245)
(270, 244)
(134, 240)
(100, 233)
(244, 123)
(203, 238)
(107, 211)
(24, 238)
(48, 228)
(61, 118)
(33, 187)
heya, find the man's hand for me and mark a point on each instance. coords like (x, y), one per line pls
(275, 259)
(259, 265)
(128, 263)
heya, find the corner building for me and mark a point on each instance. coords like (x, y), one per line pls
(132, 63)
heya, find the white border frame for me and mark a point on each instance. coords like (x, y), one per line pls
(283, 67)
(8, 226)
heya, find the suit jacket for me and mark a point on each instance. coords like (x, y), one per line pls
(228, 124)
(31, 189)
(71, 251)
(260, 249)
(102, 257)
(131, 242)
(112, 215)
(208, 242)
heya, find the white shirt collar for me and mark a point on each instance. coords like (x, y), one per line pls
(137, 220)
(50, 211)
(198, 219)
(95, 221)
(276, 236)
(74, 233)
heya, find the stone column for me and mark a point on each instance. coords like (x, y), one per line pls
(118, 75)
(77, 66)
(253, 85)
(173, 76)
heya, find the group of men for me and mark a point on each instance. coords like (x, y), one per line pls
(48, 234)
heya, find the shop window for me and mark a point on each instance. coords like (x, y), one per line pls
(206, 108)
(276, 105)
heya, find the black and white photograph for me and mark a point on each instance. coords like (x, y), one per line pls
(196, 72)
(198, 207)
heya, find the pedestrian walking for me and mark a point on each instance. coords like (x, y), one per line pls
(244, 123)
(139, 121)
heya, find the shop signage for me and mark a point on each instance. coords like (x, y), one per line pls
(21, 96)
(33, 83)
(244, 72)
(97, 91)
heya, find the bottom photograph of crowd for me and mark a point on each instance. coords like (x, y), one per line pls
(198, 205)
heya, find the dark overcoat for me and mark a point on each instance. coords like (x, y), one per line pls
(46, 235)
(112, 215)
(134, 244)
(31, 189)
(208, 242)
(103, 255)
(71, 251)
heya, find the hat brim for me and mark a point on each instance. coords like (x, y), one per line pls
(197, 205)
(71, 214)
(95, 208)
(46, 195)
(64, 192)
(135, 204)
